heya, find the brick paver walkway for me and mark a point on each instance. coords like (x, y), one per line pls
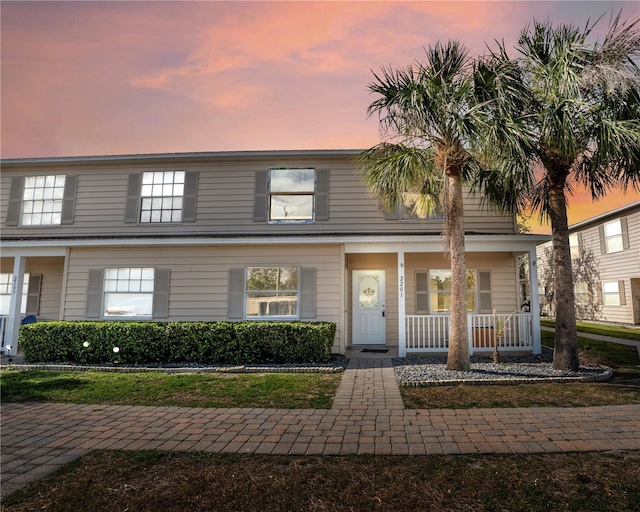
(367, 417)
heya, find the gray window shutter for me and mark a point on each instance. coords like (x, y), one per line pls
(69, 199)
(392, 213)
(133, 199)
(161, 293)
(236, 293)
(33, 294)
(422, 292)
(484, 291)
(580, 245)
(625, 233)
(623, 298)
(15, 198)
(603, 242)
(600, 298)
(260, 209)
(94, 293)
(322, 194)
(189, 197)
(307, 292)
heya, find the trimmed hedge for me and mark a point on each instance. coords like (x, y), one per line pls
(141, 343)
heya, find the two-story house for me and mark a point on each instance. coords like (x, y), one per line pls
(605, 253)
(261, 235)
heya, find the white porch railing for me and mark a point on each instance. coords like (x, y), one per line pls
(430, 333)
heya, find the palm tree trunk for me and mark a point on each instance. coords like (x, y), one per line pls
(458, 355)
(565, 355)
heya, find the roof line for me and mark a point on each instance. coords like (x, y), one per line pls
(597, 218)
(202, 155)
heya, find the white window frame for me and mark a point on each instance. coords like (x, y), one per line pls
(278, 295)
(6, 281)
(291, 193)
(574, 246)
(582, 293)
(42, 200)
(613, 238)
(470, 292)
(162, 197)
(611, 293)
(138, 283)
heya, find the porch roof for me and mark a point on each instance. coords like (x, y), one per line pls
(352, 243)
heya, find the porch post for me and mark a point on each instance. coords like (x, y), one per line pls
(13, 322)
(402, 334)
(534, 302)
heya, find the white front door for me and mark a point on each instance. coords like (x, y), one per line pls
(368, 307)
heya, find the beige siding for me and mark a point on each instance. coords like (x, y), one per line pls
(225, 201)
(199, 278)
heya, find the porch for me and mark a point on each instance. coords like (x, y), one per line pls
(512, 332)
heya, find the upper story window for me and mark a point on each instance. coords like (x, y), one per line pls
(42, 198)
(291, 195)
(128, 292)
(271, 292)
(5, 293)
(161, 196)
(613, 239)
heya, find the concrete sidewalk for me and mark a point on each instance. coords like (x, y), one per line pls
(367, 417)
(601, 337)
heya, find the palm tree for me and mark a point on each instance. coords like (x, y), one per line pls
(433, 124)
(577, 121)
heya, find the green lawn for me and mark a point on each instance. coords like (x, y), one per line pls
(279, 390)
(617, 331)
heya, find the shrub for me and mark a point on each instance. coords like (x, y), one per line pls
(178, 342)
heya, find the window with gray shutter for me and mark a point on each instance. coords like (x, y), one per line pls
(484, 291)
(307, 292)
(236, 293)
(322, 194)
(33, 294)
(422, 292)
(69, 200)
(261, 199)
(94, 294)
(133, 199)
(161, 293)
(15, 198)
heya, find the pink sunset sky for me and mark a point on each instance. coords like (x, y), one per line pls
(96, 78)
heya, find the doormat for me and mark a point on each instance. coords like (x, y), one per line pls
(375, 350)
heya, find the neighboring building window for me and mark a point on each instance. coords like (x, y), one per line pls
(613, 236)
(582, 293)
(271, 292)
(574, 246)
(440, 291)
(42, 199)
(611, 293)
(162, 196)
(128, 292)
(5, 293)
(291, 195)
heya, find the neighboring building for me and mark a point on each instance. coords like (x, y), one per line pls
(605, 253)
(256, 235)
